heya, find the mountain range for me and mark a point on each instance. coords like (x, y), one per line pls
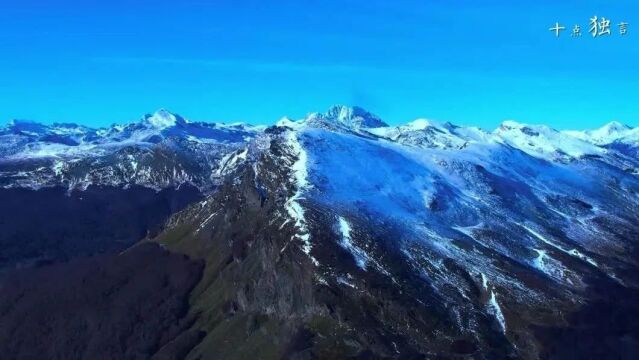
(331, 236)
(164, 149)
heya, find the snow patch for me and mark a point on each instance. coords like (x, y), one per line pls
(484, 281)
(57, 167)
(343, 281)
(496, 310)
(572, 252)
(300, 180)
(361, 257)
(229, 162)
(539, 260)
(205, 222)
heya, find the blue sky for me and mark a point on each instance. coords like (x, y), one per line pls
(468, 62)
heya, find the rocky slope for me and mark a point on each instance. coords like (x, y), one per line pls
(424, 240)
(337, 236)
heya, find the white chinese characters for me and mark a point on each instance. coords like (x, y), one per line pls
(598, 27)
(557, 28)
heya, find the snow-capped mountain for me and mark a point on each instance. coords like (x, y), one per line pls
(614, 135)
(164, 149)
(543, 141)
(424, 239)
(339, 236)
(339, 117)
(161, 150)
(607, 134)
(431, 134)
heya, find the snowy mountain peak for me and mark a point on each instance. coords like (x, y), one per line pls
(606, 134)
(288, 122)
(56, 133)
(162, 119)
(351, 117)
(543, 141)
(421, 124)
(25, 126)
(514, 125)
(18, 122)
(427, 134)
(511, 124)
(613, 127)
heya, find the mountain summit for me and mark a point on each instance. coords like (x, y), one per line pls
(355, 117)
(162, 119)
(612, 132)
(340, 116)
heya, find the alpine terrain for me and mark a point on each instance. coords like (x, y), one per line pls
(334, 236)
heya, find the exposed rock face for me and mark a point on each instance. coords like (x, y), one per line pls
(258, 288)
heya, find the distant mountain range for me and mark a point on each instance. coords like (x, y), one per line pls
(338, 236)
(159, 151)
(164, 149)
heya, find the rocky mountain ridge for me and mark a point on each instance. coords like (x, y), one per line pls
(165, 149)
(351, 241)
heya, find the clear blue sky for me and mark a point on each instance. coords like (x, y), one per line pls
(100, 62)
